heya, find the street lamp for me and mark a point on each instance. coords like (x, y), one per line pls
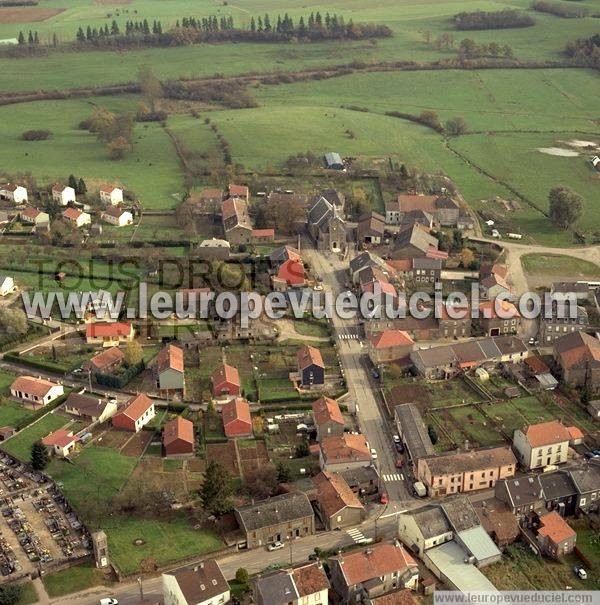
(139, 581)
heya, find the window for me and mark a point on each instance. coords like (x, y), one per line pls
(582, 502)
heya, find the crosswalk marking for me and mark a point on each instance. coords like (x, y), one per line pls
(348, 336)
(393, 477)
(356, 534)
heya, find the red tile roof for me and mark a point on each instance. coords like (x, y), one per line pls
(402, 265)
(31, 212)
(263, 232)
(72, 214)
(170, 357)
(577, 348)
(240, 190)
(400, 597)
(391, 338)
(308, 356)
(334, 493)
(32, 386)
(310, 579)
(546, 433)
(384, 287)
(225, 373)
(107, 358)
(60, 438)
(176, 429)
(234, 410)
(325, 410)
(108, 188)
(575, 433)
(137, 406)
(292, 271)
(553, 526)
(505, 310)
(374, 562)
(103, 329)
(537, 365)
(345, 447)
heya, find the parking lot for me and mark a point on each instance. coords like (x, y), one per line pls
(37, 527)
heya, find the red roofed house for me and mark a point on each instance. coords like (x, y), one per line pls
(575, 434)
(373, 571)
(240, 191)
(61, 442)
(108, 360)
(169, 369)
(178, 437)
(310, 366)
(237, 420)
(108, 334)
(328, 418)
(226, 382)
(33, 216)
(390, 345)
(499, 317)
(138, 412)
(76, 217)
(555, 536)
(348, 451)
(63, 195)
(542, 444)
(338, 504)
(263, 236)
(291, 273)
(14, 193)
(536, 366)
(35, 390)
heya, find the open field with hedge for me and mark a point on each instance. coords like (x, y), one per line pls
(20, 444)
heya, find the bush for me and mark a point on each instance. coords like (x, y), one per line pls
(120, 378)
(36, 135)
(34, 363)
(560, 10)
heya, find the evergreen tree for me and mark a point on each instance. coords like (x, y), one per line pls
(216, 490)
(267, 23)
(30, 38)
(39, 456)
(88, 33)
(260, 25)
(283, 473)
(55, 39)
(301, 27)
(114, 28)
(158, 28)
(21, 38)
(252, 25)
(36, 38)
(80, 35)
(73, 181)
(81, 187)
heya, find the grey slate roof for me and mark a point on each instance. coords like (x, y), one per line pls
(277, 588)
(431, 521)
(435, 356)
(363, 260)
(557, 485)
(460, 513)
(510, 345)
(414, 431)
(273, 511)
(523, 491)
(586, 477)
(415, 236)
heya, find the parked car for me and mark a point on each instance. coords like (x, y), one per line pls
(399, 461)
(275, 546)
(109, 601)
(580, 572)
(375, 374)
(396, 438)
(384, 498)
(399, 447)
(373, 454)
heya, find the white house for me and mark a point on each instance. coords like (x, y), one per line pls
(118, 217)
(111, 195)
(61, 442)
(543, 444)
(76, 217)
(35, 390)
(63, 195)
(14, 193)
(202, 584)
(7, 285)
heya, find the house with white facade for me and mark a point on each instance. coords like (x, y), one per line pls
(117, 216)
(35, 390)
(542, 444)
(7, 285)
(13, 193)
(63, 195)
(111, 195)
(202, 584)
(76, 217)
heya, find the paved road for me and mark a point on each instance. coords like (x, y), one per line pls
(128, 593)
(373, 423)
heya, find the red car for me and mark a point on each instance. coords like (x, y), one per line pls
(399, 462)
(384, 499)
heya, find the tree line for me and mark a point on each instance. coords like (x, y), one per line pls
(560, 10)
(493, 20)
(32, 38)
(132, 28)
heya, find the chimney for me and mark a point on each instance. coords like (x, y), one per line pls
(466, 445)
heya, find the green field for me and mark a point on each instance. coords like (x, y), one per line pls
(151, 171)
(11, 413)
(549, 264)
(20, 444)
(74, 579)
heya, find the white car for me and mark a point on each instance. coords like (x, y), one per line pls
(109, 601)
(396, 439)
(275, 546)
(373, 454)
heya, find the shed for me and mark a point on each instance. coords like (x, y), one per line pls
(333, 161)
